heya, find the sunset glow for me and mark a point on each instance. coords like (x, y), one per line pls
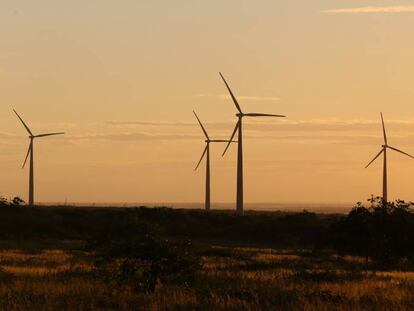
(121, 80)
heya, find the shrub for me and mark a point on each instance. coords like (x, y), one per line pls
(3, 202)
(15, 202)
(382, 232)
(143, 263)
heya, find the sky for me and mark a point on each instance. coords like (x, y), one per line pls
(121, 79)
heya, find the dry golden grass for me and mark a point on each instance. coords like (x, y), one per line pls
(235, 279)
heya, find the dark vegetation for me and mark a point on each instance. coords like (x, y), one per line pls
(96, 224)
(15, 202)
(381, 233)
(142, 248)
(165, 259)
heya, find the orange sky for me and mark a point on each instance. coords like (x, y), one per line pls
(122, 81)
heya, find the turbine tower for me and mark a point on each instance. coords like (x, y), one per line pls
(30, 152)
(239, 126)
(207, 152)
(384, 148)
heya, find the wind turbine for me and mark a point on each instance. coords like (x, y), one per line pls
(30, 152)
(240, 115)
(207, 152)
(384, 148)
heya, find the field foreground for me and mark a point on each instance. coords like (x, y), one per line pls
(59, 274)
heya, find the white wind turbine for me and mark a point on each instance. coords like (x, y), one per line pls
(30, 152)
(240, 115)
(384, 148)
(207, 152)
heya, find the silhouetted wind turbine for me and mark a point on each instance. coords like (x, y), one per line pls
(207, 152)
(384, 151)
(30, 152)
(238, 128)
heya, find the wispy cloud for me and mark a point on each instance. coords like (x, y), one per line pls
(149, 123)
(328, 124)
(168, 124)
(139, 136)
(306, 131)
(251, 98)
(373, 9)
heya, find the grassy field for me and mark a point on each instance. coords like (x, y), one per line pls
(52, 271)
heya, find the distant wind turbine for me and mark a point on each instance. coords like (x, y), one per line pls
(384, 151)
(238, 128)
(207, 152)
(30, 152)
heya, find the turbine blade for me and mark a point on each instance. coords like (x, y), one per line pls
(383, 129)
(24, 124)
(201, 124)
(264, 115)
(382, 150)
(27, 155)
(231, 94)
(50, 134)
(232, 136)
(202, 157)
(400, 151)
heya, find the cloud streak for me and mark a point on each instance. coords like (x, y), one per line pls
(372, 9)
(138, 136)
(320, 131)
(320, 138)
(329, 124)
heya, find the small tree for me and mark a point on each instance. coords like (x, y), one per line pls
(3, 202)
(17, 202)
(382, 232)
